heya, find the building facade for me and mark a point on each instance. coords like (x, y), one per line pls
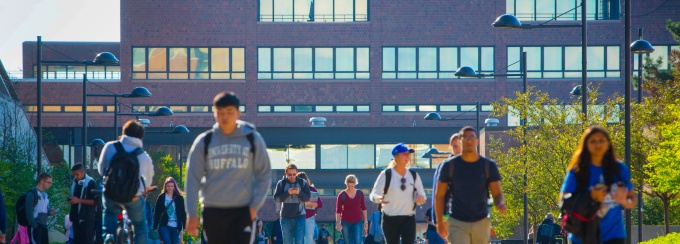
(373, 69)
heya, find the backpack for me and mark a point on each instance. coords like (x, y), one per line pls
(121, 181)
(388, 179)
(20, 206)
(546, 232)
(323, 234)
(208, 138)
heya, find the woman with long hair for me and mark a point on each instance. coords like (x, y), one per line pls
(594, 168)
(399, 199)
(349, 210)
(310, 208)
(169, 214)
(260, 235)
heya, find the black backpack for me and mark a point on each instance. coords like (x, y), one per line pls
(121, 181)
(546, 233)
(388, 179)
(20, 207)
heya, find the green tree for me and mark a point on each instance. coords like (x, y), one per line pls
(551, 133)
(164, 167)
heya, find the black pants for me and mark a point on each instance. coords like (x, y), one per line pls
(38, 235)
(228, 225)
(396, 227)
(83, 232)
(615, 241)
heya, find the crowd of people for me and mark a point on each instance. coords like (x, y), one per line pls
(229, 174)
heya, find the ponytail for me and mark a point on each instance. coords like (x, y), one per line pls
(392, 164)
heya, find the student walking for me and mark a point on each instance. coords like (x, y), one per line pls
(399, 189)
(595, 171)
(350, 210)
(37, 210)
(82, 214)
(311, 206)
(169, 215)
(469, 182)
(229, 171)
(456, 149)
(291, 193)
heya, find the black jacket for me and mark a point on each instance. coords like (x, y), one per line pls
(161, 218)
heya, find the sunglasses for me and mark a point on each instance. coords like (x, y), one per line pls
(291, 175)
(403, 184)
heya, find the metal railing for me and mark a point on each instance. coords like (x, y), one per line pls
(314, 18)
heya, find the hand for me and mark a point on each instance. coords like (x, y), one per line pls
(501, 208)
(420, 200)
(53, 211)
(151, 188)
(74, 200)
(2, 238)
(598, 192)
(365, 228)
(443, 231)
(381, 199)
(192, 226)
(338, 226)
(292, 191)
(253, 214)
(621, 195)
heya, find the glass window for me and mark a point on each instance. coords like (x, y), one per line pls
(179, 109)
(572, 58)
(388, 108)
(596, 58)
(283, 108)
(533, 58)
(469, 56)
(448, 59)
(344, 10)
(361, 10)
(178, 59)
(427, 108)
(266, 10)
(238, 60)
(334, 156)
(487, 59)
(264, 59)
(448, 108)
(304, 156)
(95, 108)
(51, 108)
(264, 109)
(199, 109)
(407, 108)
(407, 58)
(388, 59)
(363, 108)
(324, 108)
(344, 59)
(324, 59)
(344, 108)
(324, 10)
(157, 58)
(468, 107)
(383, 155)
(552, 58)
(427, 59)
(278, 156)
(303, 59)
(613, 58)
(219, 59)
(360, 156)
(73, 109)
(362, 59)
(303, 109)
(138, 59)
(282, 59)
(416, 160)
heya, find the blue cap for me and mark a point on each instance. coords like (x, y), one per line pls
(400, 148)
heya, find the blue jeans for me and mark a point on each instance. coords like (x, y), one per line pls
(309, 230)
(433, 237)
(168, 235)
(135, 212)
(352, 232)
(293, 230)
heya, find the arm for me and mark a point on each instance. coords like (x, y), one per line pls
(378, 187)
(195, 173)
(422, 197)
(148, 170)
(103, 163)
(262, 172)
(158, 211)
(439, 205)
(30, 198)
(279, 194)
(181, 215)
(497, 194)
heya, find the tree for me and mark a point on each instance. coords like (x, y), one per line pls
(551, 133)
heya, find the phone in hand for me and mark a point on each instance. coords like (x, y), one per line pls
(68, 199)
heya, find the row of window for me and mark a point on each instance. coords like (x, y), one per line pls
(313, 10)
(565, 61)
(660, 51)
(353, 62)
(533, 10)
(268, 108)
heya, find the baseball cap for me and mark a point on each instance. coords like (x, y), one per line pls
(400, 148)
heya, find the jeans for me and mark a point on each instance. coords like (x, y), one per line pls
(433, 237)
(168, 235)
(135, 212)
(293, 230)
(309, 230)
(352, 232)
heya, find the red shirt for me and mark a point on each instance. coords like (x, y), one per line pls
(312, 212)
(351, 210)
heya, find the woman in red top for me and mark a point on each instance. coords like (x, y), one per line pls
(349, 210)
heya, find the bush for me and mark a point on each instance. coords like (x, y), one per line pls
(670, 238)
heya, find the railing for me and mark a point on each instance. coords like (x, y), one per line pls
(51, 75)
(568, 16)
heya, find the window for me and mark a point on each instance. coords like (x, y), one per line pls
(313, 63)
(304, 156)
(435, 108)
(195, 63)
(313, 10)
(534, 10)
(347, 156)
(660, 51)
(565, 61)
(179, 108)
(313, 108)
(433, 62)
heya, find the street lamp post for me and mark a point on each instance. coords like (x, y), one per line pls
(466, 71)
(508, 21)
(638, 47)
(137, 92)
(103, 58)
(436, 116)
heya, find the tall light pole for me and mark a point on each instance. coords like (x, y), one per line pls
(467, 71)
(508, 21)
(104, 58)
(638, 47)
(137, 92)
(627, 86)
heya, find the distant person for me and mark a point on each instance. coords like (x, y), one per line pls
(68, 230)
(229, 172)
(291, 193)
(350, 212)
(375, 227)
(324, 236)
(37, 215)
(169, 213)
(547, 230)
(431, 233)
(82, 201)
(468, 179)
(399, 189)
(260, 235)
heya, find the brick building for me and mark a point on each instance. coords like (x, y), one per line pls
(373, 69)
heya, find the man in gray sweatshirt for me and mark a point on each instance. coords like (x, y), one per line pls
(229, 172)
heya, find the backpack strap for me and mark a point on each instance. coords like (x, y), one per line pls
(206, 142)
(342, 197)
(388, 179)
(415, 176)
(251, 139)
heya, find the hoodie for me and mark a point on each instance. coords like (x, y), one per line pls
(129, 144)
(230, 176)
(292, 206)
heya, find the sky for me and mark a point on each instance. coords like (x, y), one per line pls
(54, 20)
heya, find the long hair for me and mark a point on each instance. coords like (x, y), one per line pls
(392, 164)
(581, 160)
(303, 175)
(176, 192)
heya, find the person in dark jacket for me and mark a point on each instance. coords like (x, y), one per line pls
(169, 215)
(547, 230)
(82, 213)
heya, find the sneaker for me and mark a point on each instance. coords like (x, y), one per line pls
(109, 239)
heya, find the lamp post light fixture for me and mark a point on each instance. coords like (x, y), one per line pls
(638, 47)
(508, 21)
(104, 58)
(436, 116)
(431, 153)
(466, 71)
(180, 129)
(136, 92)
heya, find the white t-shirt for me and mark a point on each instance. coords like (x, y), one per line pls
(171, 212)
(400, 201)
